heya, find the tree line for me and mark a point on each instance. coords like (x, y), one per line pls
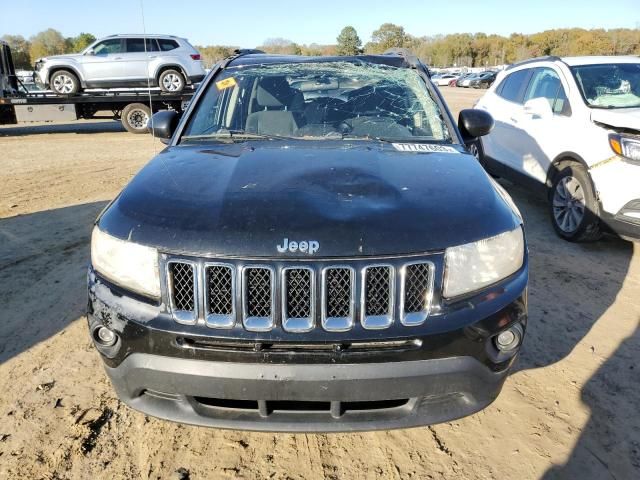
(459, 49)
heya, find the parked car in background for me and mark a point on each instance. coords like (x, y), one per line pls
(465, 80)
(162, 61)
(444, 80)
(571, 126)
(286, 264)
(483, 80)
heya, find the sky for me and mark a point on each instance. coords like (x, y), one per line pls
(247, 23)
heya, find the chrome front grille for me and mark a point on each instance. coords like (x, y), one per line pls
(299, 297)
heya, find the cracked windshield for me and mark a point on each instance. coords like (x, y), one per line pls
(610, 85)
(320, 100)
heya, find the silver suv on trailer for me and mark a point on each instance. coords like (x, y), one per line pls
(123, 61)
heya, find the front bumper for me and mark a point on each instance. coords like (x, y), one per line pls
(309, 398)
(445, 369)
(626, 223)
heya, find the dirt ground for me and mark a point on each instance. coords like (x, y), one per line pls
(569, 410)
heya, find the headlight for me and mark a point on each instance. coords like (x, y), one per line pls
(625, 146)
(125, 263)
(476, 265)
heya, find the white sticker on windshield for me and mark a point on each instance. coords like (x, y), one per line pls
(424, 147)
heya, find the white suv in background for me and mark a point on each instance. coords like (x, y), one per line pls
(124, 61)
(572, 126)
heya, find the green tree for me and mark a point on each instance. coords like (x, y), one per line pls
(349, 42)
(19, 51)
(81, 42)
(281, 46)
(48, 42)
(387, 36)
(212, 54)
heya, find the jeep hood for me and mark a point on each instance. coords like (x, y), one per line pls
(627, 118)
(353, 199)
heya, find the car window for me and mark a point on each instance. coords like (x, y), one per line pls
(166, 44)
(609, 85)
(136, 45)
(320, 100)
(513, 86)
(545, 83)
(113, 45)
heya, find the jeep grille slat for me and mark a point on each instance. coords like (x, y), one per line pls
(219, 289)
(298, 288)
(223, 294)
(298, 299)
(183, 291)
(417, 290)
(257, 293)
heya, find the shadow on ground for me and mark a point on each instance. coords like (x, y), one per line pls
(571, 287)
(43, 261)
(73, 127)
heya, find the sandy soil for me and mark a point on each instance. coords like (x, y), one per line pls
(570, 409)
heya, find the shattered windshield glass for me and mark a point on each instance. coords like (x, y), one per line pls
(318, 100)
(609, 85)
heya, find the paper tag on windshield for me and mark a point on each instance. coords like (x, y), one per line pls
(424, 148)
(226, 83)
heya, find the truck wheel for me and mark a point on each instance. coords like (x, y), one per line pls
(63, 82)
(135, 117)
(171, 81)
(574, 207)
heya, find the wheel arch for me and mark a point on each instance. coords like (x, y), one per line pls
(557, 165)
(175, 66)
(75, 71)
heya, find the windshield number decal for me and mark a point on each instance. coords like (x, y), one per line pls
(424, 148)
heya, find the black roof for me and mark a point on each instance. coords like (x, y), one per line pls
(392, 60)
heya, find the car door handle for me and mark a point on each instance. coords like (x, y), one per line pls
(514, 120)
(118, 58)
(153, 56)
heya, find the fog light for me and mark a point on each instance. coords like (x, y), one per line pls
(508, 340)
(105, 336)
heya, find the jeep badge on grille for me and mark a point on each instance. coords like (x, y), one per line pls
(304, 246)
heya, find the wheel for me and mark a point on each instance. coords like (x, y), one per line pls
(485, 86)
(63, 82)
(574, 207)
(135, 117)
(171, 81)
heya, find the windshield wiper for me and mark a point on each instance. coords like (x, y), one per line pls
(235, 134)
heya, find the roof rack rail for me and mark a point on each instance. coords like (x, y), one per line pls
(237, 53)
(546, 58)
(411, 58)
(246, 51)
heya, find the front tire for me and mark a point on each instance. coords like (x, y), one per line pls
(574, 206)
(171, 81)
(135, 117)
(63, 82)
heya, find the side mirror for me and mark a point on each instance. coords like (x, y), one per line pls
(474, 123)
(162, 124)
(91, 51)
(538, 108)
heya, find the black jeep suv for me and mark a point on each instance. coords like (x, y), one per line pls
(315, 250)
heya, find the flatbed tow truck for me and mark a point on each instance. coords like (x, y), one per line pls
(132, 107)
